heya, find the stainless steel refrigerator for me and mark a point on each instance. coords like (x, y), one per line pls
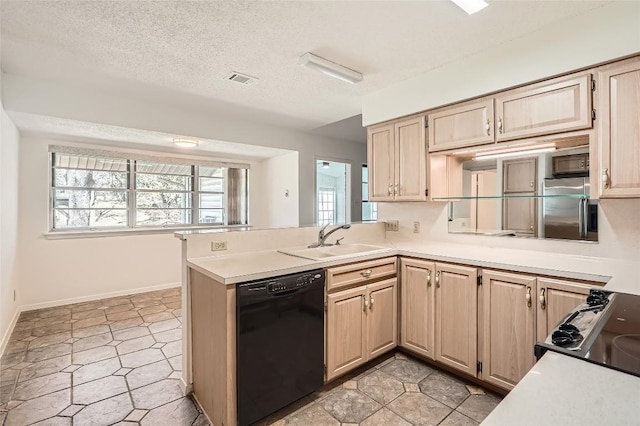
(565, 215)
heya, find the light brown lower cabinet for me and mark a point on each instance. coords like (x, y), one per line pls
(361, 324)
(417, 299)
(456, 333)
(509, 325)
(519, 310)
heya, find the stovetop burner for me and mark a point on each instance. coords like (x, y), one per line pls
(566, 335)
(597, 298)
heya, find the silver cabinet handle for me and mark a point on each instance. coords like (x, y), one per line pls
(488, 127)
(500, 125)
(428, 278)
(438, 279)
(371, 301)
(366, 302)
(605, 178)
(527, 297)
(390, 189)
(397, 189)
(543, 302)
(366, 273)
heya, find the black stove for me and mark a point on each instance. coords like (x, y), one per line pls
(604, 330)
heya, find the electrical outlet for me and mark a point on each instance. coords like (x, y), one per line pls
(392, 225)
(218, 245)
(416, 227)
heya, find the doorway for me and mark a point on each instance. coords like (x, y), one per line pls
(333, 192)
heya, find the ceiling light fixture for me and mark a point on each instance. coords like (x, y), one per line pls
(330, 68)
(489, 156)
(471, 6)
(325, 165)
(185, 142)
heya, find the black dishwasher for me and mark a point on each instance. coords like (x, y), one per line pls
(280, 342)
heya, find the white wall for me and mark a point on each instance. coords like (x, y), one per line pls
(618, 230)
(89, 104)
(8, 225)
(269, 182)
(603, 34)
(58, 270)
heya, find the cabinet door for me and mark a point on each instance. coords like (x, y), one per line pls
(382, 317)
(509, 313)
(417, 321)
(619, 130)
(346, 331)
(519, 175)
(456, 127)
(457, 317)
(556, 299)
(411, 165)
(381, 162)
(544, 108)
(519, 215)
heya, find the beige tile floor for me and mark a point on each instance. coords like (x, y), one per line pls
(117, 361)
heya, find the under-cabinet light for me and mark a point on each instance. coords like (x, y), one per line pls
(471, 6)
(330, 68)
(185, 142)
(490, 156)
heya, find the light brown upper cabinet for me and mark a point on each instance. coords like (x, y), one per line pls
(554, 106)
(519, 175)
(417, 292)
(509, 317)
(461, 126)
(397, 161)
(457, 317)
(619, 130)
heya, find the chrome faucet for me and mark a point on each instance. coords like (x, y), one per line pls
(322, 236)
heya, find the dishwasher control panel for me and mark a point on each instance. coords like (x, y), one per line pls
(292, 283)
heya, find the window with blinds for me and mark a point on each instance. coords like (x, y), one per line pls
(97, 192)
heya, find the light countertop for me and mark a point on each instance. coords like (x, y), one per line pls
(618, 275)
(560, 390)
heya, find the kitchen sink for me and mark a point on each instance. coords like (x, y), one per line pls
(328, 252)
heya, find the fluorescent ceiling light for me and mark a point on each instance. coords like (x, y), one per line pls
(471, 6)
(185, 142)
(330, 68)
(489, 156)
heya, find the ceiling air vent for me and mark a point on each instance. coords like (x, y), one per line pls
(241, 78)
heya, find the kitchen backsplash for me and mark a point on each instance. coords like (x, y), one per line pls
(618, 223)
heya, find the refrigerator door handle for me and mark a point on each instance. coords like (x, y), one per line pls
(582, 218)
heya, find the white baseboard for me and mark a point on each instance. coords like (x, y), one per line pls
(186, 389)
(62, 302)
(81, 299)
(7, 335)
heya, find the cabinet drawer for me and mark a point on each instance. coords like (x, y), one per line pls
(360, 273)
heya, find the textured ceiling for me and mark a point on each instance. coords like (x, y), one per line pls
(142, 48)
(80, 131)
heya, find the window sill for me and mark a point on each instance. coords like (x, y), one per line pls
(63, 235)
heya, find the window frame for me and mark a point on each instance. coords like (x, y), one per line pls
(131, 190)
